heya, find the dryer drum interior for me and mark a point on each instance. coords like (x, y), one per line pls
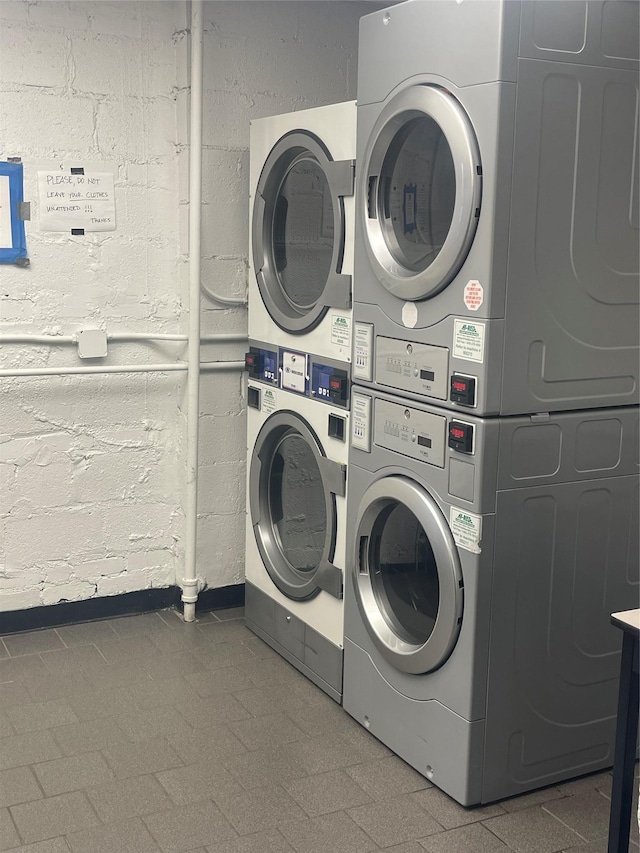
(293, 509)
(423, 191)
(299, 232)
(408, 578)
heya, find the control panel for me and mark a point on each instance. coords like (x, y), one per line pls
(330, 384)
(462, 389)
(262, 364)
(460, 436)
(420, 435)
(420, 368)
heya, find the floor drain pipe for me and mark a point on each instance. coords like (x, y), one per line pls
(190, 581)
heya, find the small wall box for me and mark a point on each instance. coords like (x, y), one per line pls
(92, 343)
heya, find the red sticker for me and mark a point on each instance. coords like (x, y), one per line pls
(473, 295)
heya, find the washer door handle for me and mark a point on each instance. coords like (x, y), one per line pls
(329, 578)
(341, 176)
(334, 475)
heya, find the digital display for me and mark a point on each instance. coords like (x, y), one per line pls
(424, 441)
(459, 386)
(329, 383)
(429, 375)
(456, 433)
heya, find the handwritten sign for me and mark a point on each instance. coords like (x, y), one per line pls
(77, 201)
(6, 235)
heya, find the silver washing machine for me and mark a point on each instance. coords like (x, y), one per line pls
(301, 213)
(496, 260)
(296, 509)
(484, 557)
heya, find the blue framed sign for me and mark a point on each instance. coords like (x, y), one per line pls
(13, 240)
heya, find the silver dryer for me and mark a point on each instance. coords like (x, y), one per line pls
(496, 261)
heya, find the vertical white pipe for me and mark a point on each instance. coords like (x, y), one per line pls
(189, 582)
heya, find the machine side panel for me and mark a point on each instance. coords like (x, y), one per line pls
(572, 321)
(567, 447)
(596, 32)
(566, 557)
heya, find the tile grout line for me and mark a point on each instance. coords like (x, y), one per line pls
(570, 828)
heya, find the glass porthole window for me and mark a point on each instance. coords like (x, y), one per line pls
(303, 232)
(420, 190)
(292, 497)
(298, 232)
(408, 579)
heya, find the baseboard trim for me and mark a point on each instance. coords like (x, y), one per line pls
(107, 607)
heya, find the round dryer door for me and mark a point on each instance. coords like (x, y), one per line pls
(293, 507)
(408, 578)
(298, 232)
(422, 190)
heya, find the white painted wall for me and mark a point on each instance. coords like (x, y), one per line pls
(91, 468)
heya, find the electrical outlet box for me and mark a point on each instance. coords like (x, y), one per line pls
(92, 343)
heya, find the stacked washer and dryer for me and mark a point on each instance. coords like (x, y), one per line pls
(300, 280)
(492, 514)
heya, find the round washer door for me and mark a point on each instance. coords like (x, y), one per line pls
(293, 508)
(298, 232)
(422, 191)
(408, 578)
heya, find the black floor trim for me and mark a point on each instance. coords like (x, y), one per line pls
(142, 601)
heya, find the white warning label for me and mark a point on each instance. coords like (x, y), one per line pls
(268, 401)
(466, 528)
(341, 330)
(473, 295)
(409, 315)
(468, 340)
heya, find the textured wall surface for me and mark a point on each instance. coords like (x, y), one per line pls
(92, 467)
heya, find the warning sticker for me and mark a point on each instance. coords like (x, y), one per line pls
(268, 401)
(468, 340)
(473, 295)
(467, 529)
(341, 330)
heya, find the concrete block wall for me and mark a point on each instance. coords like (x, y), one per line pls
(92, 468)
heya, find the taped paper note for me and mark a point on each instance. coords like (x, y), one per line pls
(6, 232)
(70, 202)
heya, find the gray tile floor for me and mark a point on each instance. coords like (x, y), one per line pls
(144, 734)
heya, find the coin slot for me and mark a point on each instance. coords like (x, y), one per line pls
(253, 398)
(337, 427)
